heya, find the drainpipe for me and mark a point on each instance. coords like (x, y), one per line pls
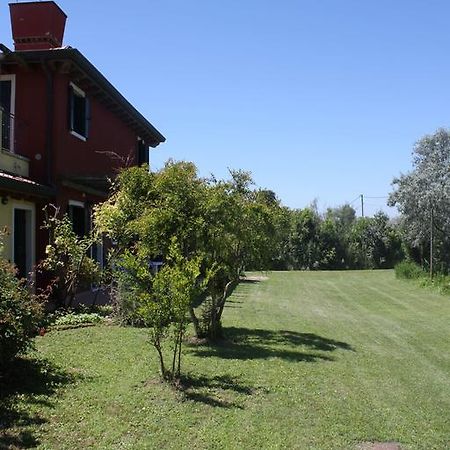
(49, 124)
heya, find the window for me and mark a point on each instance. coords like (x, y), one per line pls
(7, 91)
(79, 112)
(142, 152)
(77, 215)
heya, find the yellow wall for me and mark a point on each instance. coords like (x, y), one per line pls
(6, 219)
(16, 164)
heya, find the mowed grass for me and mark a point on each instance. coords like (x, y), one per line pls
(312, 360)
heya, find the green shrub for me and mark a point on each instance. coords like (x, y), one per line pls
(74, 319)
(20, 315)
(440, 282)
(408, 270)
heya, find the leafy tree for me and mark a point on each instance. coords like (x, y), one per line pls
(164, 306)
(240, 234)
(67, 258)
(337, 240)
(224, 223)
(305, 239)
(423, 198)
(344, 216)
(374, 243)
(331, 252)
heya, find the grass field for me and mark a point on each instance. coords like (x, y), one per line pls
(312, 360)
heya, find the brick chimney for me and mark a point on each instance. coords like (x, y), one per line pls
(37, 25)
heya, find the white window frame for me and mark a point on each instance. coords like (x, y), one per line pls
(12, 78)
(77, 203)
(80, 93)
(32, 209)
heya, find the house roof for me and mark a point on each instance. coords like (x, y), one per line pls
(70, 60)
(23, 185)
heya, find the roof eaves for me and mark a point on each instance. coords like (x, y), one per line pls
(17, 184)
(92, 72)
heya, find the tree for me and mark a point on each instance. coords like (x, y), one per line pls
(225, 224)
(240, 234)
(164, 307)
(344, 216)
(374, 243)
(304, 239)
(423, 198)
(67, 258)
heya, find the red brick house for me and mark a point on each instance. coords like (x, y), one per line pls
(64, 131)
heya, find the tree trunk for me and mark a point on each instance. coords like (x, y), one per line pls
(157, 345)
(198, 330)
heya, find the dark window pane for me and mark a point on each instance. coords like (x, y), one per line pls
(5, 110)
(142, 152)
(78, 218)
(79, 114)
(20, 242)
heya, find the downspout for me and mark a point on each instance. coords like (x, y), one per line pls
(50, 119)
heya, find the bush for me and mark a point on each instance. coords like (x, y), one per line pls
(20, 315)
(408, 270)
(440, 282)
(75, 319)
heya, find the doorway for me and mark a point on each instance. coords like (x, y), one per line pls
(23, 240)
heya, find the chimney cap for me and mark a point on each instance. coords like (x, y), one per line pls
(37, 25)
(39, 3)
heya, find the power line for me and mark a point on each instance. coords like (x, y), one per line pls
(353, 201)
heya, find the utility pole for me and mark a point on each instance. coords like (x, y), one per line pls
(362, 205)
(431, 243)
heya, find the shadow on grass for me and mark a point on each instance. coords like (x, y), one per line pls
(33, 381)
(219, 391)
(250, 280)
(246, 344)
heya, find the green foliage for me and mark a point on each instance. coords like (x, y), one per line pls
(74, 319)
(67, 259)
(439, 282)
(375, 243)
(337, 240)
(423, 198)
(225, 225)
(408, 270)
(412, 271)
(164, 309)
(20, 314)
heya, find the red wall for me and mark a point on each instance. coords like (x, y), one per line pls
(107, 133)
(71, 155)
(31, 119)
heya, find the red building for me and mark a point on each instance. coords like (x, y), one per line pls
(64, 131)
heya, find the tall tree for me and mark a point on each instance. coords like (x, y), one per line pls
(225, 225)
(423, 198)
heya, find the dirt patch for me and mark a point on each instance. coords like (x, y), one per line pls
(152, 382)
(379, 446)
(194, 340)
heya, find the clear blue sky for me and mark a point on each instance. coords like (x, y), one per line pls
(318, 99)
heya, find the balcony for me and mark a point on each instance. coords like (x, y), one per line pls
(10, 161)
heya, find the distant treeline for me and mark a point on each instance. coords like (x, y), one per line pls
(307, 240)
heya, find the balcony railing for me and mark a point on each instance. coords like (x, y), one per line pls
(6, 130)
(10, 161)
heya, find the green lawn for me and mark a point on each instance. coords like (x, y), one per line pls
(313, 360)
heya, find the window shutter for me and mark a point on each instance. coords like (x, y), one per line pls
(87, 117)
(70, 109)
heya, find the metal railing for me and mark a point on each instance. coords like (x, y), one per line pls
(6, 130)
